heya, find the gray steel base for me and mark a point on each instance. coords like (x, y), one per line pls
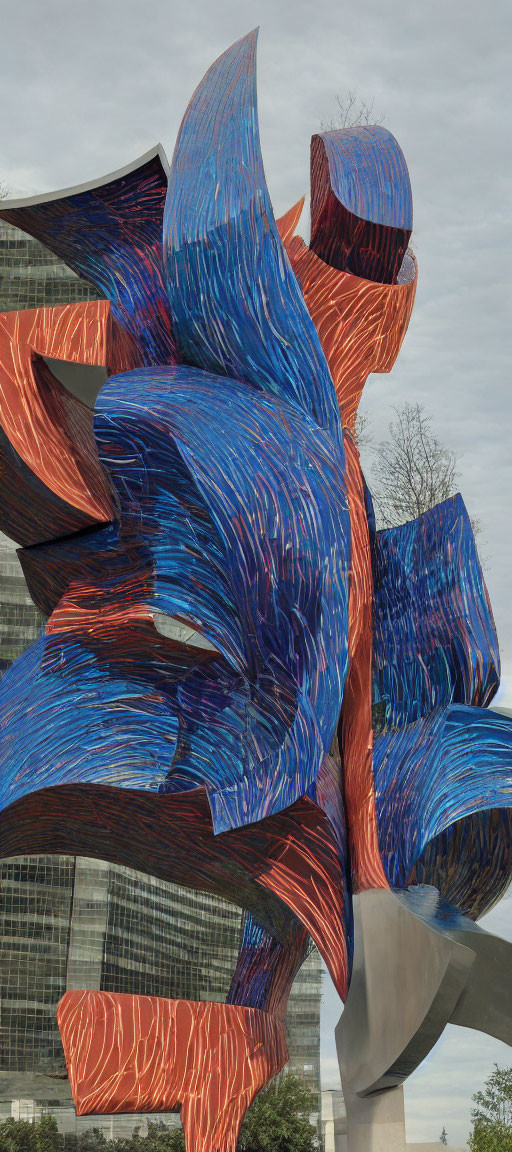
(375, 1123)
(416, 969)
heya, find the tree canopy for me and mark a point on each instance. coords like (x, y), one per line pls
(492, 1117)
(22, 1136)
(277, 1121)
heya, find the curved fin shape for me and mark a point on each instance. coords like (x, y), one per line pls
(470, 862)
(287, 223)
(485, 1002)
(430, 774)
(361, 202)
(51, 480)
(109, 231)
(285, 863)
(406, 982)
(434, 637)
(361, 324)
(238, 308)
(256, 727)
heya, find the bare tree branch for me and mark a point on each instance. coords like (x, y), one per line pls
(412, 470)
(363, 433)
(352, 110)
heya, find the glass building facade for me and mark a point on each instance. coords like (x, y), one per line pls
(79, 923)
(32, 277)
(35, 909)
(20, 622)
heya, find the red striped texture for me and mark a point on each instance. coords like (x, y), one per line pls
(287, 224)
(293, 855)
(356, 714)
(144, 1054)
(49, 432)
(361, 324)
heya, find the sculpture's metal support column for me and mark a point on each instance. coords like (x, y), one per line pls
(406, 982)
(375, 1123)
(417, 967)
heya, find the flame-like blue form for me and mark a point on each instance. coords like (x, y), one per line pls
(224, 453)
(434, 772)
(434, 639)
(110, 233)
(240, 536)
(237, 306)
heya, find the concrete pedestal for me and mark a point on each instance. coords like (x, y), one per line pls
(375, 1123)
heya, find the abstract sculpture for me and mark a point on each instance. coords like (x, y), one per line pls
(243, 686)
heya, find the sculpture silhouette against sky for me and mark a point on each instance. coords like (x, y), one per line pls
(243, 687)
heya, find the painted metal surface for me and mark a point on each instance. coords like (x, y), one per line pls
(361, 324)
(242, 686)
(222, 241)
(139, 1053)
(51, 481)
(434, 637)
(361, 202)
(110, 232)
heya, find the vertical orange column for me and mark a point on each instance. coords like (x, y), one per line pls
(361, 325)
(356, 713)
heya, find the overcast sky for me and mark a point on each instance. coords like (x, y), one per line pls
(87, 86)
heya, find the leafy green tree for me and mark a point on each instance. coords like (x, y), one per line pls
(163, 1139)
(92, 1140)
(278, 1119)
(492, 1117)
(23, 1136)
(17, 1136)
(46, 1135)
(160, 1138)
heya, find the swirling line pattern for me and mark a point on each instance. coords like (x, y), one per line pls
(434, 643)
(361, 324)
(356, 734)
(110, 233)
(361, 202)
(256, 725)
(368, 175)
(223, 242)
(470, 862)
(275, 620)
(220, 602)
(434, 638)
(429, 774)
(139, 1053)
(285, 864)
(51, 482)
(266, 966)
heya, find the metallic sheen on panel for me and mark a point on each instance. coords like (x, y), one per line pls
(242, 686)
